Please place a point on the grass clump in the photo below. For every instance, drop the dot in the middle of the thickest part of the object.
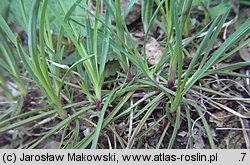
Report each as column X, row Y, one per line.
column 142, row 105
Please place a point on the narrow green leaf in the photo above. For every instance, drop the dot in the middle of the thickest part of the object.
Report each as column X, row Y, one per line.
column 100, row 121
column 147, row 10
column 62, row 124
column 25, row 121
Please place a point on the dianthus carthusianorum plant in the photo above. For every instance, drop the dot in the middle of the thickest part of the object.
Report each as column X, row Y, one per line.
column 139, row 89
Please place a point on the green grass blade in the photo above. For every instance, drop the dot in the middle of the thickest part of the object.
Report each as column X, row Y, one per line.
column 142, row 122
column 61, row 125
column 242, row 31
column 100, row 121
column 147, row 10
column 5, row 27
column 105, row 43
column 24, row 14
column 32, row 35
column 25, row 121
column 176, row 58
column 163, row 135
column 176, row 128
